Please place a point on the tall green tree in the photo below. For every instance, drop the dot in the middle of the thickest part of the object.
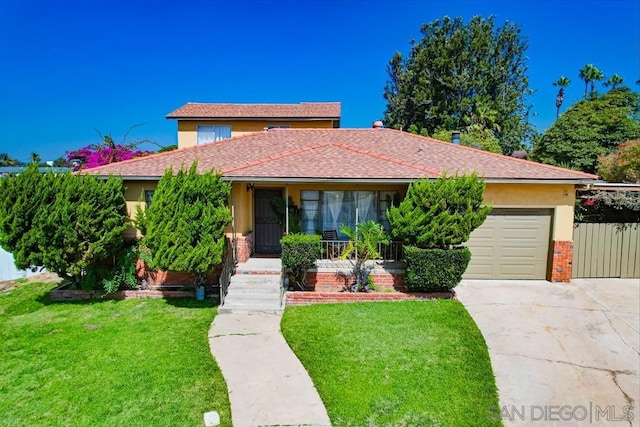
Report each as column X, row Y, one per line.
column 614, row 81
column 462, row 76
column 22, row 197
column 184, row 226
column 590, row 74
column 70, row 224
column 83, row 228
column 590, row 128
column 562, row 82
column 439, row 214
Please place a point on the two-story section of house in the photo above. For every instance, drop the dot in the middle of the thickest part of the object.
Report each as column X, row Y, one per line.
column 199, row 123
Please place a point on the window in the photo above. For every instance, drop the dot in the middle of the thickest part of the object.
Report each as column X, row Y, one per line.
column 278, row 126
column 148, row 195
column 328, row 210
column 213, row 133
column 310, row 210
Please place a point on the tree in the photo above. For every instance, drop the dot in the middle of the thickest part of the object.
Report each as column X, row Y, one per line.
column 613, row 81
column 108, row 151
column 70, row 224
column 562, row 82
column 5, row 160
column 22, row 197
column 439, row 214
column 590, row 128
column 35, row 158
column 432, row 220
column 622, row 165
column 184, row 226
column 590, row 74
column 475, row 138
column 462, row 76
column 83, row 228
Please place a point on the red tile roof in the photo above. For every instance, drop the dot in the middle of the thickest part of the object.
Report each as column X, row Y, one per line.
column 304, row 110
column 339, row 154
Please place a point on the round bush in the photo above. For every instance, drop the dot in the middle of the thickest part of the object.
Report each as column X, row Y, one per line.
column 435, row 270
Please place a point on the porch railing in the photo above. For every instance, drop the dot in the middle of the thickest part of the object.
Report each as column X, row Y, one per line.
column 227, row 271
column 332, row 249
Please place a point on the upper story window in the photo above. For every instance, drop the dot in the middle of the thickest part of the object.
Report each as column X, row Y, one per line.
column 278, row 126
column 213, row 133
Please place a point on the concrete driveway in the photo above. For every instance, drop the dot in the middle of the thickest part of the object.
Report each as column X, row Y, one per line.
column 562, row 354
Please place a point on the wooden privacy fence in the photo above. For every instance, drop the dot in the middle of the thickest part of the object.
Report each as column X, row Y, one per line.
column 606, row 250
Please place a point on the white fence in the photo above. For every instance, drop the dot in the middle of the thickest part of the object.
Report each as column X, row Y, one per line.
column 8, row 270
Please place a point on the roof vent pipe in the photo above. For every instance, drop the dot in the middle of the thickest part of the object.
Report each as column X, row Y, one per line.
column 455, row 137
column 377, row 124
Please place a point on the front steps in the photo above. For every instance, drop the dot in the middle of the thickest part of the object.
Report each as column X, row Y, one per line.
column 256, row 286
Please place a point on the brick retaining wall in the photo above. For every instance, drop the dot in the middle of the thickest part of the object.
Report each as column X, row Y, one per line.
column 306, row 298
column 62, row 294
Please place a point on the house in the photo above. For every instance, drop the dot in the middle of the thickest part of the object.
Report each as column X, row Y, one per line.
column 200, row 123
column 336, row 175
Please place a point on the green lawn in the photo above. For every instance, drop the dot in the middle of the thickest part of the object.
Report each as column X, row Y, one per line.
column 139, row 362
column 398, row 363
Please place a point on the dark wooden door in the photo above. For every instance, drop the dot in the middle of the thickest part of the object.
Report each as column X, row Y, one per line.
column 268, row 227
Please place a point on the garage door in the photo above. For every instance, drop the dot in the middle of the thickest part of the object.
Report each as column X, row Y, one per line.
column 511, row 244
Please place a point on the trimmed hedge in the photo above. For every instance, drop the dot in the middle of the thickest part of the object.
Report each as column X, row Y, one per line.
column 299, row 253
column 435, row 270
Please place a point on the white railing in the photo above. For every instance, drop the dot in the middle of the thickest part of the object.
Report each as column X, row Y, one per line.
column 332, row 249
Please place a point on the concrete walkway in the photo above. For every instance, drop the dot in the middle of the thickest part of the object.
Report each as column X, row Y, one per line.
column 268, row 386
column 562, row 354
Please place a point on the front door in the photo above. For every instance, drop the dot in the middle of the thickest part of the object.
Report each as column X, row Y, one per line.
column 268, row 227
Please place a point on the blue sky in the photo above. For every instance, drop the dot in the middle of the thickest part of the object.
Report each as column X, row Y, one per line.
column 68, row 68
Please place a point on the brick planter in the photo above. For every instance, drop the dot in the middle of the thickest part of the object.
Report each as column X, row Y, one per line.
column 307, row 298
column 61, row 293
column 333, row 276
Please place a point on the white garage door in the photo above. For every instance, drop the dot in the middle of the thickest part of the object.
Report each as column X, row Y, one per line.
column 511, row 244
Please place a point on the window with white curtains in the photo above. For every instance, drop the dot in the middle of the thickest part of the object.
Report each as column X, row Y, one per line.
column 328, row 210
column 213, row 133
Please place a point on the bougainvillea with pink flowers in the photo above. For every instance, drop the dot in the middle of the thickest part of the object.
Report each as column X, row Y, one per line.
column 93, row 156
column 107, row 151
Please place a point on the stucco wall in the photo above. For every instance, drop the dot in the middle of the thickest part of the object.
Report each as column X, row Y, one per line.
column 559, row 197
column 187, row 129
column 134, row 196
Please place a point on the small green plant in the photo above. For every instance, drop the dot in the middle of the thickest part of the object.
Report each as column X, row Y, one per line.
column 364, row 243
column 299, row 254
column 123, row 273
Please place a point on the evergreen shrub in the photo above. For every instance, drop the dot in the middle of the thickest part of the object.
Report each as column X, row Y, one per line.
column 299, row 254
column 435, row 270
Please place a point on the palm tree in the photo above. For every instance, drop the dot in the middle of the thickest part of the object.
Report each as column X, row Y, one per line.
column 562, row 82
column 590, row 74
column 613, row 81
column 35, row 157
column 596, row 77
column 5, row 160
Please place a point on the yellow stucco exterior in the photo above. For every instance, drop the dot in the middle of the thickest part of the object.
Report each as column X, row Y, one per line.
column 560, row 198
column 134, row 196
column 187, row 129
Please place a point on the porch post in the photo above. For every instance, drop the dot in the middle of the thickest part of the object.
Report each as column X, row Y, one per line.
column 286, row 209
